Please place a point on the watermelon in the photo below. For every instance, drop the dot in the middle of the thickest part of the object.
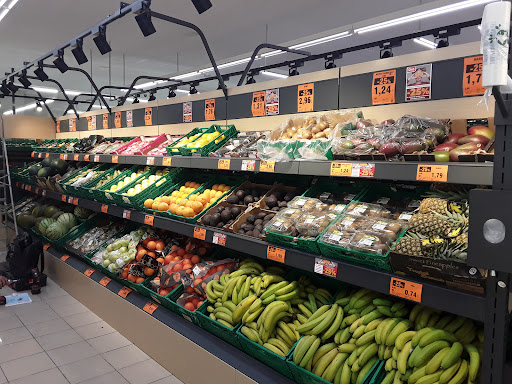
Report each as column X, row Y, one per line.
column 82, row 213
column 47, row 162
column 44, row 172
column 57, row 214
column 26, row 220
column 44, row 224
column 56, row 230
column 68, row 220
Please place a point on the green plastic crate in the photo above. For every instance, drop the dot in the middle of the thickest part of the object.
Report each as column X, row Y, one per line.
column 173, row 306
column 216, row 328
column 228, row 131
column 267, row 357
column 71, row 189
column 102, row 194
column 173, row 150
column 162, row 300
column 85, row 189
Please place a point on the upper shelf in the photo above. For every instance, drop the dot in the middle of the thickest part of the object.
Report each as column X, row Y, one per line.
column 456, row 173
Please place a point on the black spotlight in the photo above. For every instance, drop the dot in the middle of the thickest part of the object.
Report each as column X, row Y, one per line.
column 136, row 100
column 193, row 89
column 78, row 52
column 250, row 79
column 23, row 79
column 39, row 108
column 119, row 101
column 144, row 20
column 329, row 64
column 152, row 96
column 40, row 73
column 386, row 53
column 14, row 88
column 4, row 89
column 171, row 93
column 443, row 43
column 60, row 63
column 101, row 40
column 293, row 72
column 202, row 5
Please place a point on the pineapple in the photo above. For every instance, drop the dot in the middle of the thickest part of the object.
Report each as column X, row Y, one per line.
column 411, row 246
column 429, row 225
column 432, row 204
column 461, row 240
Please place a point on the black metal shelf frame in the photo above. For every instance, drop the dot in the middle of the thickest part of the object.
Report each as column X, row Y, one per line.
column 433, row 295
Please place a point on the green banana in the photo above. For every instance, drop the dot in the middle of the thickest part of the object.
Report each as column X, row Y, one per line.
column 279, row 344
column 334, row 366
column 438, row 334
column 389, row 327
column 372, row 325
column 366, row 338
column 302, row 347
column 397, row 306
column 322, row 351
column 312, row 302
column 368, row 353
column 346, row 374
column 269, row 299
column 310, row 352
column 450, row 372
column 418, row 374
column 344, row 336
column 288, row 296
column 252, row 316
column 271, row 290
column 364, row 370
column 385, row 311
column 225, row 323
column 324, row 361
column 403, row 356
column 324, row 324
column 419, row 334
column 229, row 305
column 382, row 302
column 347, row 348
column 435, row 363
column 461, row 374
column 415, row 312
column 305, row 310
column 334, row 326
column 402, row 339
column 287, row 289
column 430, row 379
column 389, row 378
column 452, row 356
column 356, row 324
column 242, row 308
column 371, row 316
column 444, row 321
column 454, row 325
column 281, row 335
column 274, row 349
column 400, row 328
column 224, row 316
column 251, row 335
column 474, row 361
column 464, row 329
column 433, row 320
column 380, row 329
column 429, row 351
column 423, row 318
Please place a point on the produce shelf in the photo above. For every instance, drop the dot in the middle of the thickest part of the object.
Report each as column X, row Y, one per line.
column 458, row 173
column 433, row 295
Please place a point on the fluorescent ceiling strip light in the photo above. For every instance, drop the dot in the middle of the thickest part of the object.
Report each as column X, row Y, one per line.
column 45, row 90
column 150, row 84
column 322, row 40
column 423, row 15
column 182, row 91
column 2, row 2
column 3, row 13
column 226, row 65
column 73, row 93
column 271, row 53
column 26, row 107
column 12, row 4
column 185, row 75
column 274, row 74
column 426, row 43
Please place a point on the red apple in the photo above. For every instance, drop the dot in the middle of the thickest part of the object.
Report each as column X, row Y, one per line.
column 474, row 139
column 447, row 147
column 481, row 130
column 454, row 137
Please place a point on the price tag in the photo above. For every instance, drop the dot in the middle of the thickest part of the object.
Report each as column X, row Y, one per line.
column 199, row 233
column 29, row 188
column 472, row 78
column 405, row 289
column 125, row 291
column 44, row 192
column 150, row 161
column 105, row 121
column 305, row 97
column 75, row 201
column 148, row 219
column 58, row 126
column 150, row 307
column 437, row 173
column 76, row 157
column 341, row 169
column 39, row 155
column 117, row 119
column 326, row 267
column 64, row 198
column 33, row 154
column 209, row 109
column 148, row 116
column 418, row 81
column 72, row 125
column 104, row 208
column 127, row 214
column 47, row 155
column 89, row 272
column 219, row 238
column 276, row 254
column 167, row 161
column 267, row 165
column 187, row 112
column 224, row 164
column 65, row 156
column 46, row 246
column 70, row 199
column 272, row 102
column 61, row 156
column 89, row 123
column 258, row 104
column 105, row 281
column 363, row 170
column 86, row 158
column 115, row 159
column 383, row 87
column 129, row 118
column 96, row 158
column 37, row 191
column 64, row 257
column 248, row 165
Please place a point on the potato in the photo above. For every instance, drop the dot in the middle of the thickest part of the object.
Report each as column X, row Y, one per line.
column 319, row 135
column 322, row 125
column 307, row 135
column 311, row 121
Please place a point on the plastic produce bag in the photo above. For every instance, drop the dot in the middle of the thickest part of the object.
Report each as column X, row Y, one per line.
column 206, row 272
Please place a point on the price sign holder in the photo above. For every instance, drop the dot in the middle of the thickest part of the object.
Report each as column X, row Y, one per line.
column 224, row 164
column 104, row 208
column 115, row 159
column 76, row 157
column 341, row 169
column 89, row 272
column 127, row 214
column 267, row 165
column 199, row 233
column 150, row 160
column 148, row 116
column 472, row 77
column 150, row 307
column 209, row 109
column 383, row 87
column 405, row 289
column 258, row 104
column 248, row 165
column 276, row 254
column 437, row 173
column 105, row 281
column 148, row 219
column 167, row 161
column 219, row 238
column 64, row 257
column 125, row 291
column 46, row 246
column 305, row 97
column 326, row 267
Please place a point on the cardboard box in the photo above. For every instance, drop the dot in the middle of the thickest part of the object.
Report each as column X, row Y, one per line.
column 235, row 226
column 453, row 274
column 214, row 209
column 284, row 189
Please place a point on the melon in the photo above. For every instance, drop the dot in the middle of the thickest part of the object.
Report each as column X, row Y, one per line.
column 44, row 224
column 82, row 213
column 50, row 211
column 27, row 221
column 57, row 214
column 68, row 220
column 56, row 230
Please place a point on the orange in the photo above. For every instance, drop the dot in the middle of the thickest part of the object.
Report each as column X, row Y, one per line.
column 190, row 307
column 152, row 254
column 188, row 212
column 160, row 245
column 176, row 259
column 189, row 204
column 124, row 274
column 148, row 271
column 151, row 245
column 158, row 199
column 218, row 194
column 201, row 200
column 173, row 208
column 166, row 199
column 163, row 206
column 139, row 280
column 189, row 289
column 194, row 301
column 164, row 291
column 183, row 202
column 140, row 253
column 215, row 187
column 221, row 187
column 195, row 259
column 182, row 189
column 180, row 252
column 175, row 247
column 148, row 203
column 154, row 207
column 167, row 259
column 132, row 278
column 226, row 188
column 197, row 282
column 177, row 267
column 160, row 260
column 172, row 200
column 199, row 304
column 187, row 184
column 197, row 206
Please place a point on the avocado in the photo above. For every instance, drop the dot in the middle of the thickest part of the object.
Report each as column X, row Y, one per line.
column 271, row 201
column 240, row 194
column 250, row 219
column 207, row 219
column 225, row 215
column 215, row 220
column 248, row 199
column 235, row 211
column 289, row 196
column 232, row 199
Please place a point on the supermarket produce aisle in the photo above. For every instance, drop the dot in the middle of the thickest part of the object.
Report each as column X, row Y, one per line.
column 57, row 340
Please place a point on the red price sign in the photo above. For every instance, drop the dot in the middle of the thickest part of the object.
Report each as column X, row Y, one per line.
column 248, row 165
column 200, row 233
column 209, row 109
column 305, row 97
column 105, row 281
column 150, row 307
column 148, row 116
column 96, row 158
column 326, row 267
column 258, row 103
column 472, row 78
column 64, row 257
column 418, row 93
column 437, row 173
column 104, row 208
column 125, row 291
column 276, row 254
column 363, row 170
column 219, row 238
column 89, row 123
column 406, row 289
column 89, row 272
column 148, row 219
column 383, row 87
column 150, row 160
column 117, row 120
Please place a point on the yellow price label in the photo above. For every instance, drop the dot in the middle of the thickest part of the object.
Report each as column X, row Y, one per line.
column 167, row 161
column 224, row 164
column 267, row 165
column 341, row 169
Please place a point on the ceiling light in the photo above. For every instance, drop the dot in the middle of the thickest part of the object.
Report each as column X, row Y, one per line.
column 185, row 75
column 13, row 87
column 250, row 79
column 101, row 40
column 23, row 79
column 146, row 85
column 274, row 74
column 40, row 73
column 271, row 53
column 3, row 88
column 78, row 52
column 2, row 2
column 386, row 53
column 171, row 93
column 45, row 90
column 182, row 91
column 329, row 64
column 35, row 105
column 143, row 19
column 422, row 15
column 136, row 100
column 425, row 42
column 73, row 93
column 9, row 7
column 152, row 97
column 442, row 43
column 202, row 5
column 60, row 63
column 39, row 108
column 193, row 89
column 322, row 40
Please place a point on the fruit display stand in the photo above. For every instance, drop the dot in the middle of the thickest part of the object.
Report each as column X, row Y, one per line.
column 229, row 335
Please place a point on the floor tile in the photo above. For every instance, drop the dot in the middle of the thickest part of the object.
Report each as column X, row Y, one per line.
column 50, row 292
column 47, row 327
column 86, row 369
column 31, row 308
column 71, row 309
column 109, row 378
column 109, row 342
column 51, row 376
column 20, row 349
column 14, row 335
column 168, row 380
column 93, row 330
column 81, row 319
column 71, row 353
column 26, row 366
column 61, row 300
column 3, row 379
column 6, row 313
column 144, row 373
column 10, row 323
column 30, row 318
column 125, row 356
column 58, row 339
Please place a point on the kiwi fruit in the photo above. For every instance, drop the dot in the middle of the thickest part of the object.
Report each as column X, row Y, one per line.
column 249, row 233
column 282, row 204
column 233, row 199
column 258, row 227
column 261, row 215
column 220, row 224
column 268, row 217
column 241, row 231
column 248, row 199
column 250, row 219
column 256, row 233
column 258, row 221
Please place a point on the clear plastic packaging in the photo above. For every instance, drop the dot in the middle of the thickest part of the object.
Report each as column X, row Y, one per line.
column 370, row 210
column 282, row 226
column 390, row 228
column 308, row 204
column 337, row 237
column 290, row 213
column 370, row 242
column 352, row 223
column 314, row 223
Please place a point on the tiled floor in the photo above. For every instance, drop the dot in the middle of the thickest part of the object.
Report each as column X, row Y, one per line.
column 57, row 340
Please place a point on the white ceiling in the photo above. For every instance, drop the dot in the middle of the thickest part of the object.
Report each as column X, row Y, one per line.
column 232, row 27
